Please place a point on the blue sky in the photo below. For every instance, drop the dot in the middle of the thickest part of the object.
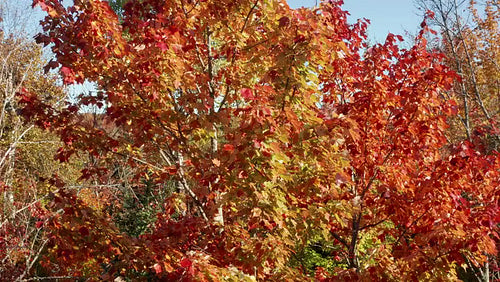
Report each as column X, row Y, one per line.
column 396, row 16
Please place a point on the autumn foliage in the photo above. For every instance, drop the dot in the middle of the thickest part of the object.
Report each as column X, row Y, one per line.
column 251, row 133
column 26, row 158
column 473, row 52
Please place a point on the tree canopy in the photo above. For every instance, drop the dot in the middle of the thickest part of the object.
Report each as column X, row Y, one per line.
column 244, row 140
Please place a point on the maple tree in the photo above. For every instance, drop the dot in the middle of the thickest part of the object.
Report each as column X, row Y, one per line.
column 260, row 132
column 469, row 38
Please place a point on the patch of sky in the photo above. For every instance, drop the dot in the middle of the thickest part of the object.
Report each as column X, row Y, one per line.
column 386, row 16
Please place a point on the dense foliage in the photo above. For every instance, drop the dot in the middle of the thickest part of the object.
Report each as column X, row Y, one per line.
column 468, row 35
column 244, row 140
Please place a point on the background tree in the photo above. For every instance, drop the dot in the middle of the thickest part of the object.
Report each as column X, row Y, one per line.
column 470, row 41
column 27, row 168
